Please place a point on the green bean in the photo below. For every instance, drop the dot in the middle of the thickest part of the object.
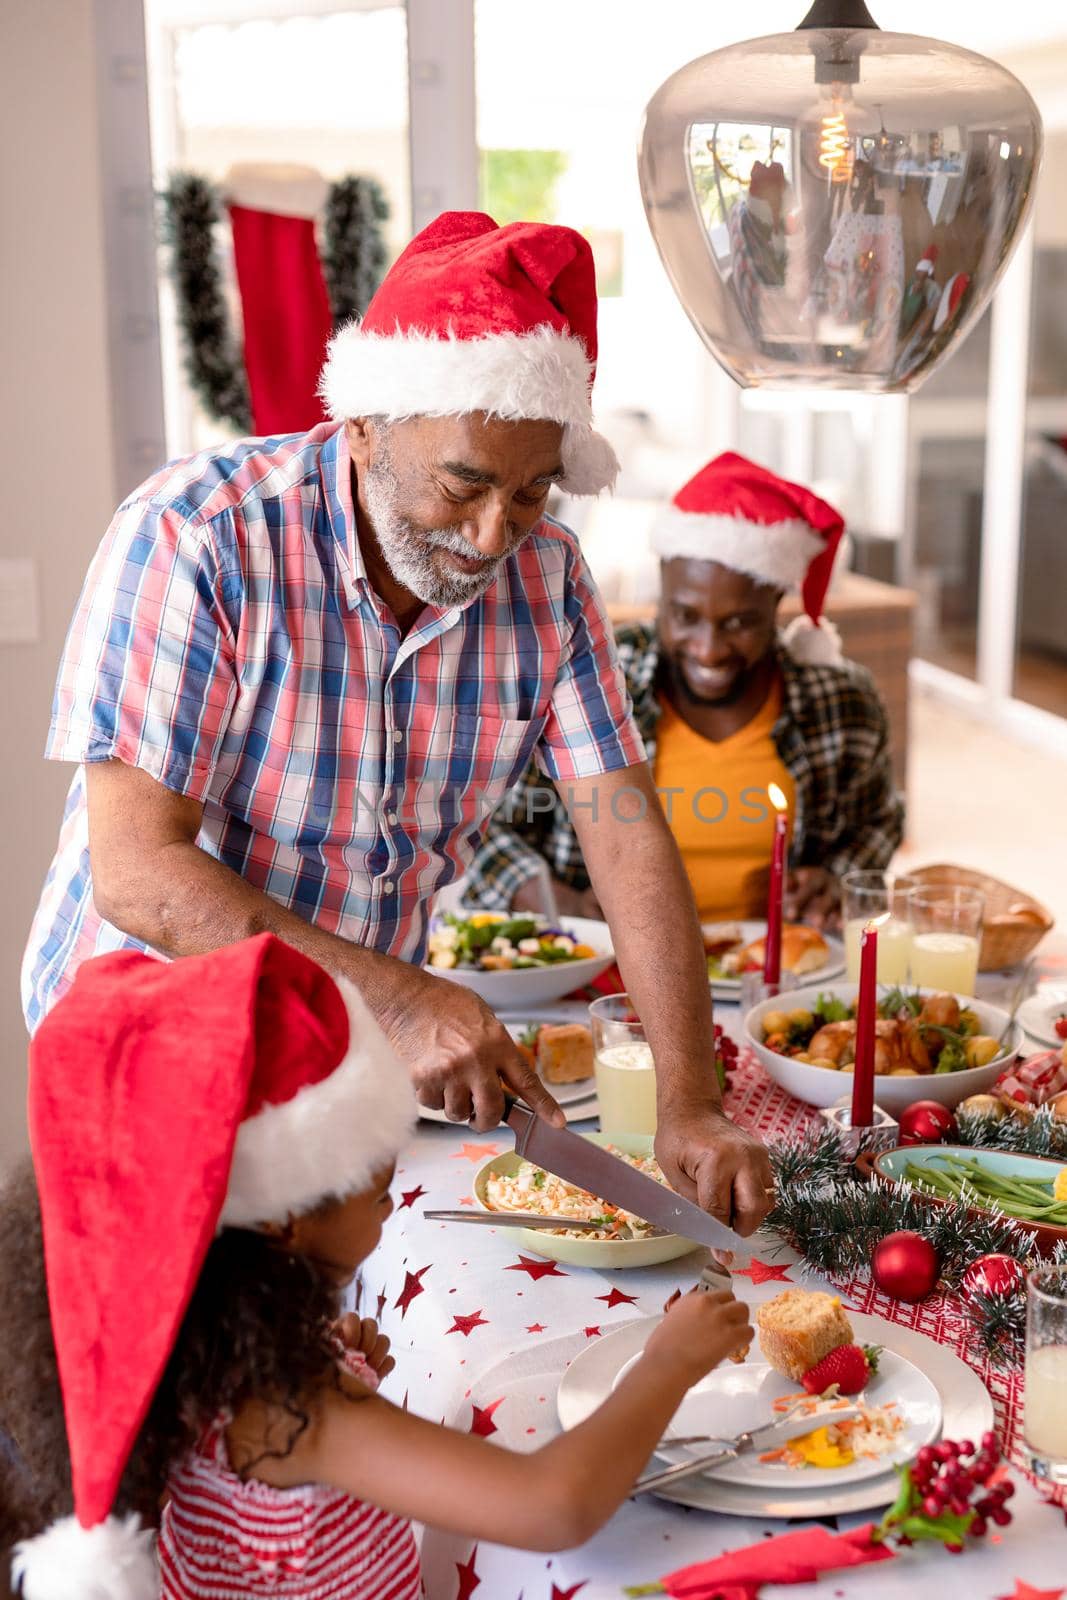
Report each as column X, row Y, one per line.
column 966, row 1180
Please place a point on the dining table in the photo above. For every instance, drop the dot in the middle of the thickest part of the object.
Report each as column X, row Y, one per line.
column 483, row 1331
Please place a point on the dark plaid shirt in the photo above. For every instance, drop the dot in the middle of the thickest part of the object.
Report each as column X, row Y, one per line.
column 832, row 736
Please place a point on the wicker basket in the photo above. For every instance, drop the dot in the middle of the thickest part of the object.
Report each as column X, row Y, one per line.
column 1015, row 923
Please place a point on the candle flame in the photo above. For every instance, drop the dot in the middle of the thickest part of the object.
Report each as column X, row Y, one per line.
column 777, row 798
column 876, row 922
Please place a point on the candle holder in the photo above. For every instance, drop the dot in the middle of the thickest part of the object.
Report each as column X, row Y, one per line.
column 755, row 988
column 881, row 1134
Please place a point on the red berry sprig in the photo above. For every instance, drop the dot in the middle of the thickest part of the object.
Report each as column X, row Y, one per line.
column 726, row 1054
column 947, row 1493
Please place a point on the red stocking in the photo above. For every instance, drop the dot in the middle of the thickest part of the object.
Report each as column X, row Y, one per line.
column 286, row 315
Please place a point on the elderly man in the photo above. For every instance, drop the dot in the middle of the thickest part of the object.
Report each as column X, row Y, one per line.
column 303, row 671
column 727, row 706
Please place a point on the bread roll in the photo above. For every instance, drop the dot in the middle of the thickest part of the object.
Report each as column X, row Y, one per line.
column 803, row 949
column 800, row 1326
column 565, row 1053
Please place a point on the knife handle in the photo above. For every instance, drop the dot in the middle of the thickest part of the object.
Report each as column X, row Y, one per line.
column 684, row 1469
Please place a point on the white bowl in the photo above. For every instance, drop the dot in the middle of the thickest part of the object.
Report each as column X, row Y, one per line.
column 538, row 986
column 821, row 1086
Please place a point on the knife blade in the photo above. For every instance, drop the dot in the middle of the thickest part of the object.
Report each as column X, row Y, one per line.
column 579, row 1161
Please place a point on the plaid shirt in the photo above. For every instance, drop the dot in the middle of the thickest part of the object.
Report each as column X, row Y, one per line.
column 228, row 643
column 832, row 736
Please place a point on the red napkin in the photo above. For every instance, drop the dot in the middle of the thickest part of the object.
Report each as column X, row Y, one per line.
column 791, row 1558
column 609, row 982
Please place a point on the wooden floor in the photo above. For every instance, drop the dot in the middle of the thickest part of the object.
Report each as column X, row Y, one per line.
column 1040, row 678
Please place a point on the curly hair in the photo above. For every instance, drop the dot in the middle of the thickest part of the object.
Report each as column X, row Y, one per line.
column 257, row 1327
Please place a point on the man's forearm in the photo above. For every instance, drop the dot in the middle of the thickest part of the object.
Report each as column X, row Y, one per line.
column 184, row 902
column 641, row 883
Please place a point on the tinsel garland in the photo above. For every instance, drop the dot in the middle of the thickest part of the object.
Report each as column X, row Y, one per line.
column 353, row 262
column 834, row 1219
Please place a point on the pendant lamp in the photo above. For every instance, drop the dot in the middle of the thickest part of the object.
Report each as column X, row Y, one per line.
column 835, row 206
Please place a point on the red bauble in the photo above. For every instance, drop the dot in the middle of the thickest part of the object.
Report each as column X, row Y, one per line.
column 905, row 1266
column 994, row 1275
column 926, row 1122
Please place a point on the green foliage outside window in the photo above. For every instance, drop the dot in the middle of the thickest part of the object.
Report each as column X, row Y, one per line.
column 520, row 185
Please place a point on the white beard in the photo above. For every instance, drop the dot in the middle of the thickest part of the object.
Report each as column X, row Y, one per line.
column 408, row 551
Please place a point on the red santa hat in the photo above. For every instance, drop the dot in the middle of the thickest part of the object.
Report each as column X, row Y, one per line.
column 927, row 260
column 167, row 1100
column 740, row 515
column 475, row 317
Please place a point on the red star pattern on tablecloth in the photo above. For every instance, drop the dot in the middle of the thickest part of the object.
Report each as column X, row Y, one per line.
column 762, row 1272
column 591, row 1333
column 409, row 1196
column 382, row 1298
column 567, row 1594
column 536, row 1327
column 468, row 1578
column 1026, row 1591
column 617, row 1298
column 536, row 1268
column 466, row 1325
column 475, row 1152
column 482, row 1421
column 412, row 1287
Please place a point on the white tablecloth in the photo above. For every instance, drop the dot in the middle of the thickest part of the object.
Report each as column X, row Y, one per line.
column 482, row 1335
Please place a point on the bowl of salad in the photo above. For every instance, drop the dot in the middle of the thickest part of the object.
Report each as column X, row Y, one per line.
column 518, row 960
column 928, row 1046
column 507, row 1182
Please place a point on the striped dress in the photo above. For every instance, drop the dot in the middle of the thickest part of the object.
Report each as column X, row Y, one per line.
column 229, row 1538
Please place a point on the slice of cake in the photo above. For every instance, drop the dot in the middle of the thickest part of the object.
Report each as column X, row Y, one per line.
column 800, row 1326
column 564, row 1052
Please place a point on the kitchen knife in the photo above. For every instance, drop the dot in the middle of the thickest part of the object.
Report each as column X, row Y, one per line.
column 772, row 1434
column 579, row 1161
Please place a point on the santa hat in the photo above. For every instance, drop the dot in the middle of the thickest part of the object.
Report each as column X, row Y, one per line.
column 167, row 1100
column 926, row 261
column 475, row 317
column 742, row 516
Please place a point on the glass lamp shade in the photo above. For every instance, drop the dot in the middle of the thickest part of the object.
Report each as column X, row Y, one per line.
column 835, row 206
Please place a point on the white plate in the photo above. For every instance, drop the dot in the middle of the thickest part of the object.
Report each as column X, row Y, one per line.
column 821, row 1086
column 966, row 1410
column 736, row 1397
column 538, row 986
column 1039, row 1012
column 730, row 988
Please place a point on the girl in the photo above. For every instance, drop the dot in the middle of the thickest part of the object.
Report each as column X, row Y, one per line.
column 213, row 1142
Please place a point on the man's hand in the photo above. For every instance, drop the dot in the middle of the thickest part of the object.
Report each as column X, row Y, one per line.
column 462, row 1059
column 813, row 895
column 709, row 1159
column 569, row 902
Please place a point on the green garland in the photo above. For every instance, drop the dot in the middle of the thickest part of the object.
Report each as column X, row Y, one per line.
column 353, row 262
column 834, row 1220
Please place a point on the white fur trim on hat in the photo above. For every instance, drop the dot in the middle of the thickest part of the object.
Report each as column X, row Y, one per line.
column 542, row 375
column 331, row 1137
column 113, row 1561
column 773, row 552
column 811, row 645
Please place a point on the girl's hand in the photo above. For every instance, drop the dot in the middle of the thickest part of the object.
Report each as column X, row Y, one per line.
column 361, row 1334
column 699, row 1331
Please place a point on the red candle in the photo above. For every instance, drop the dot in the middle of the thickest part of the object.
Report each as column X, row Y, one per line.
column 772, row 948
column 866, row 1016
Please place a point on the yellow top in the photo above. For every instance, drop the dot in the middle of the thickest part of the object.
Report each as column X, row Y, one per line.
column 720, row 816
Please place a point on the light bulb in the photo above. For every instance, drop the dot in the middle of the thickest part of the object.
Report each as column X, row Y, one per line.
column 835, row 147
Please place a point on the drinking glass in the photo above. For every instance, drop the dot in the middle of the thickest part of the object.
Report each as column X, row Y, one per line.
column 623, row 1065
column 946, row 921
column 1045, row 1378
column 865, row 896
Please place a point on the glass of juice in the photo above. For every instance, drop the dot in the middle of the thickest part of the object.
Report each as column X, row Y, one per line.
column 866, row 896
column 622, row 1062
column 946, row 921
column 1045, row 1379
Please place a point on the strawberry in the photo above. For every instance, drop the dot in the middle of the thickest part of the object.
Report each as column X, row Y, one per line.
column 1061, row 1027
column 848, row 1367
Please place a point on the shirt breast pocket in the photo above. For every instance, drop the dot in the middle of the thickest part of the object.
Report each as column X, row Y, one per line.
column 462, row 766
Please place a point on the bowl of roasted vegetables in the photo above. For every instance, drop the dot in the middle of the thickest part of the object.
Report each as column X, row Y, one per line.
column 518, row 960
column 928, row 1046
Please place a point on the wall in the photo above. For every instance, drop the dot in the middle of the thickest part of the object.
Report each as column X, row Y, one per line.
column 56, row 432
